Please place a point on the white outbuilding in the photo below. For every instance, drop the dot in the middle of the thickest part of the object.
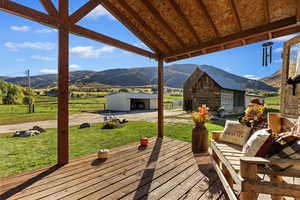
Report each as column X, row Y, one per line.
column 124, row 101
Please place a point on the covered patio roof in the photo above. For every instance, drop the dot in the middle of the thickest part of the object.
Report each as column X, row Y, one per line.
column 179, row 29
column 172, row 29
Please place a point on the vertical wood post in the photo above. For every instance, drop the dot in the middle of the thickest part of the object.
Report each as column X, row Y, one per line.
column 248, row 172
column 276, row 179
column 160, row 103
column 63, row 85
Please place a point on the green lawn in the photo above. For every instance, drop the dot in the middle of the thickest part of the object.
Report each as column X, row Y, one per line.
column 23, row 154
column 46, row 108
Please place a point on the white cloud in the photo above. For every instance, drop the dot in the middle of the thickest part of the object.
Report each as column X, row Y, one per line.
column 43, row 58
column 278, row 50
column 278, row 61
column 98, row 12
column 20, row 28
column 90, row 51
column 48, row 71
column 32, row 45
column 41, row 31
column 73, row 66
column 251, row 76
column 284, row 38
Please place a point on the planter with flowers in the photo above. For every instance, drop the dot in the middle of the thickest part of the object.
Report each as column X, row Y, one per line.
column 200, row 132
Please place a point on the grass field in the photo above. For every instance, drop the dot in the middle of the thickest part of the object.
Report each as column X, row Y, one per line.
column 23, row 154
column 46, row 108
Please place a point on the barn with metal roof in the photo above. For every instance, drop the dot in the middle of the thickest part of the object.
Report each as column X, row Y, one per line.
column 213, row 89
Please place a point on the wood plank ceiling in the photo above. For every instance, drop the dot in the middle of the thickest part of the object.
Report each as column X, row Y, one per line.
column 178, row 29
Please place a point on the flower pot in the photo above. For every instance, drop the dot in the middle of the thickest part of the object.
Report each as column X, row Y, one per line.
column 144, row 142
column 200, row 138
column 103, row 154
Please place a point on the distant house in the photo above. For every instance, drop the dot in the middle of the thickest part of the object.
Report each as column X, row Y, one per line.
column 124, row 101
column 212, row 89
column 250, row 96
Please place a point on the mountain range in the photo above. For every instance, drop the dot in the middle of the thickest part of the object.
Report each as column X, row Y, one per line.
column 174, row 76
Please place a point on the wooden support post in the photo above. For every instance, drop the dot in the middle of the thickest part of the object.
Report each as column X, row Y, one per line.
column 276, row 179
column 63, row 85
column 160, row 103
column 248, row 172
column 298, row 11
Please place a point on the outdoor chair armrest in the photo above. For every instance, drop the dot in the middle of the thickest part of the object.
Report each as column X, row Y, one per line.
column 269, row 161
column 216, row 135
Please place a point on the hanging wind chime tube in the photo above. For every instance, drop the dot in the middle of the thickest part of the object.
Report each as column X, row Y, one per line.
column 267, row 53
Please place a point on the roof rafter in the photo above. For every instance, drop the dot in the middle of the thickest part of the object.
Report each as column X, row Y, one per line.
column 49, row 7
column 54, row 22
column 271, row 27
column 84, row 32
column 185, row 20
column 161, row 20
column 208, row 17
column 236, row 15
column 116, row 13
column 83, row 11
column 28, row 13
column 135, row 15
column 266, row 11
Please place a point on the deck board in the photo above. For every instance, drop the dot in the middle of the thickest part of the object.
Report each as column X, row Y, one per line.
column 166, row 169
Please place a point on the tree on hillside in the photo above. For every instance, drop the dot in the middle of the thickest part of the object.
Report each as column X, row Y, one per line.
column 123, row 90
column 11, row 94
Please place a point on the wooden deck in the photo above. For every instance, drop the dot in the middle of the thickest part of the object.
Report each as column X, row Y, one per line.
column 166, row 169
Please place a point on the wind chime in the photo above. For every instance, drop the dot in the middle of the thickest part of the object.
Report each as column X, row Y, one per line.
column 267, row 53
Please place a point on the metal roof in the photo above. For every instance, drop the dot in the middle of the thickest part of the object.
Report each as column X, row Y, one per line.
column 136, row 95
column 220, row 78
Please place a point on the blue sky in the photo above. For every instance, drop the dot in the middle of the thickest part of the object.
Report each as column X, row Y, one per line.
column 28, row 45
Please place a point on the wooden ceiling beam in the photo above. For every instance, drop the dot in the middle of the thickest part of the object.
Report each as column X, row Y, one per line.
column 49, row 7
column 161, row 20
column 287, row 23
column 83, row 32
column 185, row 19
column 28, row 13
column 203, row 8
column 298, row 11
column 83, row 11
column 236, row 15
column 266, row 11
column 117, row 14
column 140, row 20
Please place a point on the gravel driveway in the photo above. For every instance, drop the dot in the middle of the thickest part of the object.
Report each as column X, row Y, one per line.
column 78, row 119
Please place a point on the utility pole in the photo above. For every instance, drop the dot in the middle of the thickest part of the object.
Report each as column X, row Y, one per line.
column 30, row 110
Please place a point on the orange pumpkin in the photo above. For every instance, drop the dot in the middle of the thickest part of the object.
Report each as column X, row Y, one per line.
column 144, row 141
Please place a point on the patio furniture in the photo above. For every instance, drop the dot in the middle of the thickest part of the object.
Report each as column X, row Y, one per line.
column 246, row 174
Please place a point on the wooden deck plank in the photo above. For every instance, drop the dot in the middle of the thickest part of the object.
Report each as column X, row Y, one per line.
column 117, row 153
column 82, row 170
column 106, row 180
column 167, row 169
column 93, row 174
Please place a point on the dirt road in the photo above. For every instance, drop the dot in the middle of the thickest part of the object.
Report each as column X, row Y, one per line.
column 78, row 119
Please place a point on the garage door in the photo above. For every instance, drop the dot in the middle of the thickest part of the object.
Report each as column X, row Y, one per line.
column 227, row 101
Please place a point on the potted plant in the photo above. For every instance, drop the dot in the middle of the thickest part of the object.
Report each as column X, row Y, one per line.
column 200, row 132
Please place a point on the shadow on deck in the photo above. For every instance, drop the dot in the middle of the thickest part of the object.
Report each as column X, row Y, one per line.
column 166, row 169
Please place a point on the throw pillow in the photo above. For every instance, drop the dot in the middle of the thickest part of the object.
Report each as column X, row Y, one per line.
column 259, row 144
column 235, row 133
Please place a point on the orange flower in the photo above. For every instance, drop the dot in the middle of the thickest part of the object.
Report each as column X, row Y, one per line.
column 202, row 115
